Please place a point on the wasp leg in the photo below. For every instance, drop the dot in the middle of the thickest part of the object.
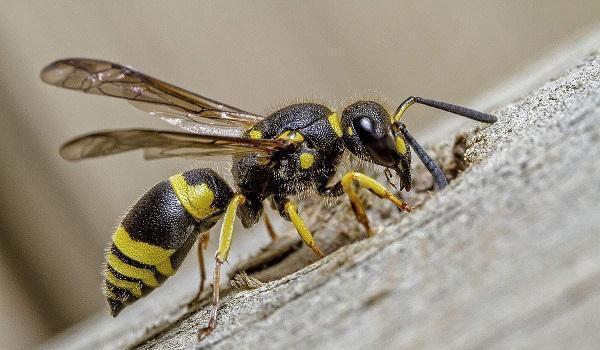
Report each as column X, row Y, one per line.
column 202, row 245
column 292, row 211
column 269, row 227
column 220, row 257
column 375, row 187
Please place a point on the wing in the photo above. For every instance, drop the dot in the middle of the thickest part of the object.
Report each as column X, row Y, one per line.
column 163, row 144
column 149, row 94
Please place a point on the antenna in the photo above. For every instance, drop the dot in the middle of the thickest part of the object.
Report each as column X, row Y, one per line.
column 448, row 107
column 439, row 179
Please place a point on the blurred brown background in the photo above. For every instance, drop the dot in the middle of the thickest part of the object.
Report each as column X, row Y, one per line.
column 57, row 217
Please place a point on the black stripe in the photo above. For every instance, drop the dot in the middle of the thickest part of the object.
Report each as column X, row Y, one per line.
column 145, row 288
column 121, row 276
column 122, row 294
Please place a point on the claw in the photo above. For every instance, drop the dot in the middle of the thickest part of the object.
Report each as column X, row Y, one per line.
column 203, row 332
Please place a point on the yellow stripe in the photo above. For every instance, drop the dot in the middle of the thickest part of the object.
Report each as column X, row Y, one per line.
column 125, row 269
column 142, row 252
column 255, row 134
column 306, row 160
column 335, row 124
column 196, row 199
column 134, row 287
column 165, row 268
column 350, row 131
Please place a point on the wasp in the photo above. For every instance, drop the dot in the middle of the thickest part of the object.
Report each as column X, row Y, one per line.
column 295, row 149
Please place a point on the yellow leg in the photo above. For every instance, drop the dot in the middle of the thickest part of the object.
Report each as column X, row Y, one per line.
column 269, row 227
column 201, row 246
column 375, row 187
column 227, row 228
column 292, row 211
column 220, row 257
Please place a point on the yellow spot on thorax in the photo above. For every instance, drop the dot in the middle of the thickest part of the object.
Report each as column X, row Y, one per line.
column 401, row 145
column 350, row 131
column 335, row 124
column 291, row 135
column 196, row 199
column 306, row 160
column 255, row 134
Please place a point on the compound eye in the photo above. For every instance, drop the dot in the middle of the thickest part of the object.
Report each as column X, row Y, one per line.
column 365, row 129
column 380, row 146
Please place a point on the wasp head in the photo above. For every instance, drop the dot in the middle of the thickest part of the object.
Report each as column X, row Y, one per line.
column 369, row 134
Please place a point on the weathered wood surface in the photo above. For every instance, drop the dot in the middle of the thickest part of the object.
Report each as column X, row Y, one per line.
column 508, row 256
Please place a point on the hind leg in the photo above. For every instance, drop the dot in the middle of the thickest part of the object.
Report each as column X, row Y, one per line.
column 269, row 227
column 201, row 247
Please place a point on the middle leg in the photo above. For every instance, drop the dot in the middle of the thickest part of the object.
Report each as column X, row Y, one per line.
column 269, row 227
column 220, row 257
column 292, row 212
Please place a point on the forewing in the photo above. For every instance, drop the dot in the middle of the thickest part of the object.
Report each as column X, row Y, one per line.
column 163, row 144
column 147, row 93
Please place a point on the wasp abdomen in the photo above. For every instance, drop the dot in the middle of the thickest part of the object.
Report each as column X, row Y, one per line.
column 157, row 233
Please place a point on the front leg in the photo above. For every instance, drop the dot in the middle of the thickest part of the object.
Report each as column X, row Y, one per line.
column 345, row 185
